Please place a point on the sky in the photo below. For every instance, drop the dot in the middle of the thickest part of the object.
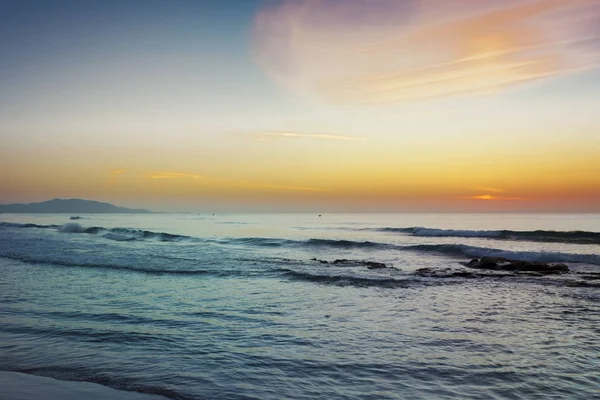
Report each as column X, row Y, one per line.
column 302, row 105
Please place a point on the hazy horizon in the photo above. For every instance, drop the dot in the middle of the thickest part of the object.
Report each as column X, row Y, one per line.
column 216, row 211
column 303, row 105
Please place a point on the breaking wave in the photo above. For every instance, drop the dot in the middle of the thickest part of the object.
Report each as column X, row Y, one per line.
column 447, row 249
column 342, row 280
column 126, row 234
column 18, row 225
column 575, row 237
column 531, row 256
column 117, row 234
column 275, row 242
column 71, row 227
column 129, row 234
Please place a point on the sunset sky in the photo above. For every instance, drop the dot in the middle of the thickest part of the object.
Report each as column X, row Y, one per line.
column 302, row 105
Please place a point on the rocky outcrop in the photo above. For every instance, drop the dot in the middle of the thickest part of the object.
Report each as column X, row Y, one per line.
column 447, row 273
column 497, row 267
column 516, row 266
column 354, row 263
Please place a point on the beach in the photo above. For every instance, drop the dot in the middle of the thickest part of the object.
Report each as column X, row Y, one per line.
column 18, row 386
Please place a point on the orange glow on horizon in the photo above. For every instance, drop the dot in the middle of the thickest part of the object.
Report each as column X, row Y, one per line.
column 488, row 197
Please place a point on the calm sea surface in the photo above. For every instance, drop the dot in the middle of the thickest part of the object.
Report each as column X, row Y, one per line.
column 242, row 306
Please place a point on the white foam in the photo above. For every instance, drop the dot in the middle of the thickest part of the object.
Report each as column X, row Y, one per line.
column 71, row 227
column 418, row 231
column 18, row 386
column 117, row 237
column 531, row 256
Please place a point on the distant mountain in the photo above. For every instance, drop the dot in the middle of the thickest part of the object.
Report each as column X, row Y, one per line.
column 67, row 206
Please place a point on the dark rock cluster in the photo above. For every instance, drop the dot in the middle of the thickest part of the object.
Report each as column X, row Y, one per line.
column 354, row 263
column 516, row 266
column 499, row 267
column 449, row 273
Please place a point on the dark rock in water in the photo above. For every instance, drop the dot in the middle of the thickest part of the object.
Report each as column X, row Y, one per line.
column 342, row 261
column 353, row 263
column 455, row 273
column 75, row 218
column 368, row 264
column 516, row 266
column 375, row 265
column 444, row 273
column 499, row 267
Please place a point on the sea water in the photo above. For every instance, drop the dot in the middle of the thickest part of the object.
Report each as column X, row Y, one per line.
column 250, row 306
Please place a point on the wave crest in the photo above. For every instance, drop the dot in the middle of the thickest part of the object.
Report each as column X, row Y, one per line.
column 117, row 234
column 343, row 280
column 575, row 237
column 463, row 250
column 530, row 256
column 28, row 225
column 71, row 227
column 139, row 269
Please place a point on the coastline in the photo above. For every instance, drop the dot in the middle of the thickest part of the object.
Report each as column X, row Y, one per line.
column 20, row 386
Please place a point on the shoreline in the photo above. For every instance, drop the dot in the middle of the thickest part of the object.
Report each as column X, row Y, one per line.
column 22, row 386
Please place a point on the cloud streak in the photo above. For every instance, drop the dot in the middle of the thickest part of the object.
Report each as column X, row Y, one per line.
column 384, row 51
column 174, row 175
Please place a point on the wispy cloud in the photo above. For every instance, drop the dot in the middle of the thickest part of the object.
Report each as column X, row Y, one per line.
column 174, row 175
column 114, row 175
column 390, row 51
column 274, row 135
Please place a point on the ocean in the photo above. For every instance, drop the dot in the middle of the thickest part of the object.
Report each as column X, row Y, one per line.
column 255, row 306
